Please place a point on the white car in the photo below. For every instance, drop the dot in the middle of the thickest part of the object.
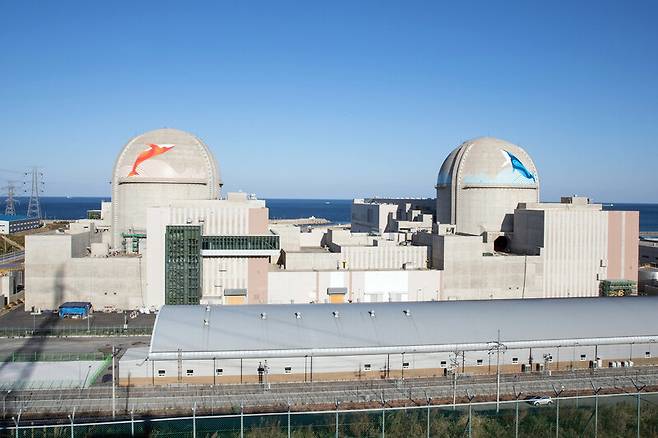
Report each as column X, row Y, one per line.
column 539, row 400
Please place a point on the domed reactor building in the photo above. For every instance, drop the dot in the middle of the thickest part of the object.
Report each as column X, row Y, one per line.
column 155, row 168
column 482, row 182
column 494, row 239
column 165, row 238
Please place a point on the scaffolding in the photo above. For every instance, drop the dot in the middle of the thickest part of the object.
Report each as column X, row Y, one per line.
column 183, row 264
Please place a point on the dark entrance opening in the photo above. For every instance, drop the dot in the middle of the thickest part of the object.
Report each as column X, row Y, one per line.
column 501, row 244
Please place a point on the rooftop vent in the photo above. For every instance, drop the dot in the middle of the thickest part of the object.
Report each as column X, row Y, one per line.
column 207, row 308
column 206, row 322
column 263, row 315
column 371, row 313
column 298, row 315
column 335, row 313
column 406, row 312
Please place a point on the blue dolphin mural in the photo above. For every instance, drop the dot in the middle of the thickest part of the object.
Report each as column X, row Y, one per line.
column 518, row 165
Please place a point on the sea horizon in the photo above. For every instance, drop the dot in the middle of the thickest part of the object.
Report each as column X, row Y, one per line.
column 335, row 210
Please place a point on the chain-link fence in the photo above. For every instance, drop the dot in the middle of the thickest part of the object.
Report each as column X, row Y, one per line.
column 13, row 332
column 598, row 415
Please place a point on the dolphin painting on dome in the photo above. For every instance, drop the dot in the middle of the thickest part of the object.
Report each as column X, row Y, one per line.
column 517, row 165
column 152, row 151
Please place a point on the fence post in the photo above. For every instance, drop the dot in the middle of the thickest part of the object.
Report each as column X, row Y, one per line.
column 132, row 422
column 557, row 409
column 113, row 387
column 72, row 418
column 638, row 414
column 288, row 418
column 596, row 409
column 194, row 420
column 470, row 417
column 337, row 404
column 241, row 420
column 517, row 395
column 17, row 420
column 429, row 403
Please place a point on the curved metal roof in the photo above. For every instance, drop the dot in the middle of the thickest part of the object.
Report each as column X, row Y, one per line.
column 368, row 328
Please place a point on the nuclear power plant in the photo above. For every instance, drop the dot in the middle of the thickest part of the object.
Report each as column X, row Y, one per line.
column 170, row 236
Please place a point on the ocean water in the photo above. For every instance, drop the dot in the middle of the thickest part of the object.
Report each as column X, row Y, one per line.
column 334, row 210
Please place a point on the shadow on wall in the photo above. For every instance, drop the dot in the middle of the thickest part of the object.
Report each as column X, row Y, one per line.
column 34, row 345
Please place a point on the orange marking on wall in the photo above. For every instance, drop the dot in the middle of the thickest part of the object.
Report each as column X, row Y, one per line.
column 154, row 150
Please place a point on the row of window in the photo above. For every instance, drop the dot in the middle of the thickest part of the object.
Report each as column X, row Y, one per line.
column 368, row 367
column 270, row 242
column 218, row 372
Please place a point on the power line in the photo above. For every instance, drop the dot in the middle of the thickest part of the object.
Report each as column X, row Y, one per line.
column 10, row 209
column 33, row 207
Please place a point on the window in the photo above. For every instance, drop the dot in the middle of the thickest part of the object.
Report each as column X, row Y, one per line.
column 647, row 354
column 583, row 357
column 515, row 360
column 405, row 364
column 366, row 367
column 287, row 370
column 219, row 371
column 443, row 364
column 161, row 373
column 479, row 362
column 190, row 372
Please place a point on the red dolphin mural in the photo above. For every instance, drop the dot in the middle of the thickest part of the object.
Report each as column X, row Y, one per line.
column 153, row 151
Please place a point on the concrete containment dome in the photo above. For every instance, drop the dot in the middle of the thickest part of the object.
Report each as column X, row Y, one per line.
column 155, row 168
column 481, row 182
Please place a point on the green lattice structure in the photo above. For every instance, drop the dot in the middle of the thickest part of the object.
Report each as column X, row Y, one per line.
column 269, row 242
column 183, row 264
column 617, row 288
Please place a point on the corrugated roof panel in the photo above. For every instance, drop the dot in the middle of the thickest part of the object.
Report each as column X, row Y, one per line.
column 239, row 328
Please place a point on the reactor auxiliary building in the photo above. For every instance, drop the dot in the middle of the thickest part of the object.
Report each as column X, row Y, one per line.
column 168, row 237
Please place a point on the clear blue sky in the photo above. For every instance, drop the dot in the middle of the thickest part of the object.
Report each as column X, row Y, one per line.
column 335, row 99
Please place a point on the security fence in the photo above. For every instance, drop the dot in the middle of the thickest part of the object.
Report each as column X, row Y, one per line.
column 52, row 357
column 12, row 332
column 598, row 415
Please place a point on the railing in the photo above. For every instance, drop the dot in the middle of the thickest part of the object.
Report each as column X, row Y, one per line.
column 233, row 243
column 12, row 257
column 52, row 357
column 74, row 331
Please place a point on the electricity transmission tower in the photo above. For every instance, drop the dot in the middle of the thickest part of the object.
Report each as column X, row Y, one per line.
column 33, row 207
column 10, row 209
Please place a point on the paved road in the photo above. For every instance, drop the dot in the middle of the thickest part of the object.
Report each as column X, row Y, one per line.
column 19, row 318
column 70, row 345
column 172, row 400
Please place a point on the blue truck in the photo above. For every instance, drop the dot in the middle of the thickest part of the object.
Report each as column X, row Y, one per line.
column 79, row 309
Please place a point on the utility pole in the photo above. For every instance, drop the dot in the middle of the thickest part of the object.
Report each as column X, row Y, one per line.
column 34, row 207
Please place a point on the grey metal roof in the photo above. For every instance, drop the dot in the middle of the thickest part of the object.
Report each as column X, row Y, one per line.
column 369, row 328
